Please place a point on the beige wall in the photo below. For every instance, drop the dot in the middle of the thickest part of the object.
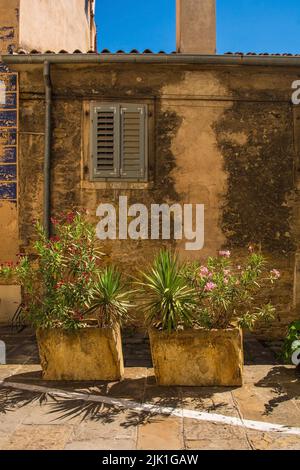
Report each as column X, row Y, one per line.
column 224, row 137
column 196, row 26
column 45, row 25
column 54, row 25
column 10, row 299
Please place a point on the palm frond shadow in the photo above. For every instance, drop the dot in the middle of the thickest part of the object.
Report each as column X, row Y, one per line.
column 135, row 418
column 67, row 408
column 11, row 400
column 105, row 413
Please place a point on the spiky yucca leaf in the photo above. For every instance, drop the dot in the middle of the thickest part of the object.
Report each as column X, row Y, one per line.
column 169, row 303
column 110, row 299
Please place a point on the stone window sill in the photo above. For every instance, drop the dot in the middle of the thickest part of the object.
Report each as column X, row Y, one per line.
column 116, row 185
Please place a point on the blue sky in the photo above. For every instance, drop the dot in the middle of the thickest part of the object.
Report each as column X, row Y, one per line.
column 243, row 25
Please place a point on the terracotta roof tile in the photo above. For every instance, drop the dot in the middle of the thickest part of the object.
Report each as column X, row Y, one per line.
column 262, row 54
column 146, row 51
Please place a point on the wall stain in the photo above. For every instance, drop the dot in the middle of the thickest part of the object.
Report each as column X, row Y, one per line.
column 260, row 175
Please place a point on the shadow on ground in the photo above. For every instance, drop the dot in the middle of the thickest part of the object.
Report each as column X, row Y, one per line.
column 136, row 391
column 284, row 382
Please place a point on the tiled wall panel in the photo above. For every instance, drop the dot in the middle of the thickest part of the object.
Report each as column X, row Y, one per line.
column 8, row 134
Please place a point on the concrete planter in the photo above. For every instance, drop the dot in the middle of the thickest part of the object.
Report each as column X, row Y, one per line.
column 198, row 357
column 87, row 354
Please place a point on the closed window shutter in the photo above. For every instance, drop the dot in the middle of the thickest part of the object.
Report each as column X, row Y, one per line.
column 105, row 141
column 133, row 141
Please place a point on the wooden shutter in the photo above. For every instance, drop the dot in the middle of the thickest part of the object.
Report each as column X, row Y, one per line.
column 133, row 141
column 105, row 141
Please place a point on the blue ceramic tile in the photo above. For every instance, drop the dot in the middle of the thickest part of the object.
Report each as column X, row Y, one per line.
column 10, row 81
column 9, row 102
column 8, row 172
column 8, row 118
column 8, row 137
column 8, row 191
column 8, row 155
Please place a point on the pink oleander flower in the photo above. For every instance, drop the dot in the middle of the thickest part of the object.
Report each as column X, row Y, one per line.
column 70, row 217
column 204, row 271
column 210, row 286
column 275, row 274
column 226, row 282
column 225, row 254
column 55, row 239
column 59, row 285
column 9, row 264
column 54, row 221
column 226, row 272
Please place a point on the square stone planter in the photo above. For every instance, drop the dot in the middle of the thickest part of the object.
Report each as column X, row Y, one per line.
column 83, row 355
column 198, row 357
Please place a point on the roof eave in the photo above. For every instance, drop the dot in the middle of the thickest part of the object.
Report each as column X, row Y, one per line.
column 184, row 59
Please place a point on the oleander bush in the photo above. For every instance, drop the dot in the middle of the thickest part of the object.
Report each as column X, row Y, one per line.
column 63, row 281
column 214, row 295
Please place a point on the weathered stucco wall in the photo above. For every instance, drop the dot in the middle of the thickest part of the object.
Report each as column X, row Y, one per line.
column 223, row 137
column 54, row 25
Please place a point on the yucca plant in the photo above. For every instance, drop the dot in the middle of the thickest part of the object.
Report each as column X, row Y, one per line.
column 110, row 300
column 169, row 303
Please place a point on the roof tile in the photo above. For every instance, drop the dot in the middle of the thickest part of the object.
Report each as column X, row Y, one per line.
column 146, row 51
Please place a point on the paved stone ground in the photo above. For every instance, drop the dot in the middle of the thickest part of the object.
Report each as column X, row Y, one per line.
column 40, row 421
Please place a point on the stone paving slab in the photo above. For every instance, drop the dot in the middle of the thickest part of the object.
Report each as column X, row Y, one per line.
column 37, row 438
column 267, row 405
column 271, row 441
column 102, row 444
column 216, row 444
column 106, row 426
column 160, row 434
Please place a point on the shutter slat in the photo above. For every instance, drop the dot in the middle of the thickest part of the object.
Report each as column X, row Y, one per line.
column 106, row 141
column 133, row 141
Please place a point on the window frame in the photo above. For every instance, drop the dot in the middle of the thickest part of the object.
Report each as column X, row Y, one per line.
column 119, row 179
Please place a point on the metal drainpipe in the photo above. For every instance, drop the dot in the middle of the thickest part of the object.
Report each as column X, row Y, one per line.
column 47, row 157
